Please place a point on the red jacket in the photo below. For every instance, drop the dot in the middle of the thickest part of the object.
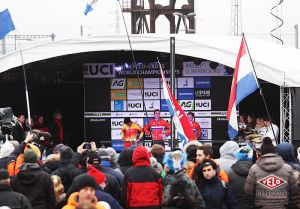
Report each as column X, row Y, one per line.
column 156, row 128
column 144, row 188
column 197, row 130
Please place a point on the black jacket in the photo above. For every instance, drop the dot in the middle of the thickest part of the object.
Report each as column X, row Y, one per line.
column 237, row 179
column 13, row 199
column 36, row 185
column 18, row 132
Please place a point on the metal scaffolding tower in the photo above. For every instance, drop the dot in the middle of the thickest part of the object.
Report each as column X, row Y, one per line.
column 140, row 14
column 236, row 18
column 285, row 113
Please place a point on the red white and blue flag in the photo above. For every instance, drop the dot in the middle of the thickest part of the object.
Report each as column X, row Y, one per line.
column 244, row 83
column 180, row 120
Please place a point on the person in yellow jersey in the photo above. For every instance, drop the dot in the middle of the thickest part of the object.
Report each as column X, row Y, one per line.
column 130, row 131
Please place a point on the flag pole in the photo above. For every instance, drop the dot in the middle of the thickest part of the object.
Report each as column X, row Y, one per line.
column 26, row 88
column 260, row 88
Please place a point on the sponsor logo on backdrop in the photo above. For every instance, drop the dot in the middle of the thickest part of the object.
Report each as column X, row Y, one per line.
column 187, row 104
column 271, row 181
column 117, row 145
column 117, row 123
column 133, row 83
column 184, row 94
column 116, row 134
column 163, row 105
column 152, row 104
column 151, row 83
column 203, row 83
column 99, row 70
column 185, row 82
column 205, row 133
column 203, row 104
column 134, row 94
column 117, row 83
column 204, row 122
column 118, row 105
column 151, row 94
column 134, row 105
column 202, row 93
column 168, row 81
column 190, row 69
column 118, row 94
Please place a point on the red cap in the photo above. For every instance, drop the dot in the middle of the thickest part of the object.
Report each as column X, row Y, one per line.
column 94, row 172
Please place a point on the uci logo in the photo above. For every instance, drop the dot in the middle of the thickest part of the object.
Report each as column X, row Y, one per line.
column 117, row 123
column 203, row 104
column 151, row 94
column 134, row 105
column 101, row 70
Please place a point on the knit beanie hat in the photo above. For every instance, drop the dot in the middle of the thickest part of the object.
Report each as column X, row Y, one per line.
column 58, row 148
column 103, row 154
column 267, row 146
column 244, row 153
column 34, row 148
column 84, row 180
column 4, row 174
column 30, row 156
column 96, row 174
column 112, row 153
column 66, row 154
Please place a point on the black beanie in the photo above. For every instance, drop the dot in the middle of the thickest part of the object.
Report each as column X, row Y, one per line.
column 84, row 180
column 267, row 146
column 66, row 155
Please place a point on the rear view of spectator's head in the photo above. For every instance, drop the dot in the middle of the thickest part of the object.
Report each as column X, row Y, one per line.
column 175, row 161
column 267, row 147
column 4, row 177
column 190, row 149
column 112, row 153
column 158, row 151
column 58, row 188
column 178, row 196
column 30, row 156
column 244, row 153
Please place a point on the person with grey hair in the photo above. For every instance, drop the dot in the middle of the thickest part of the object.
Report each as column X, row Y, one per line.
column 8, row 196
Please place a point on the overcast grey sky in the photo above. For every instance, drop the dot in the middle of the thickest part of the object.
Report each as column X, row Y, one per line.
column 64, row 17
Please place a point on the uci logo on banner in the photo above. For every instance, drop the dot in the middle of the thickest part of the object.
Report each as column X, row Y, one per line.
column 151, row 93
column 99, row 70
column 203, row 104
column 134, row 106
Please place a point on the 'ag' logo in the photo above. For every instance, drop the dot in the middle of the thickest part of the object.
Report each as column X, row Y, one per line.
column 271, row 181
column 117, row 83
column 186, row 104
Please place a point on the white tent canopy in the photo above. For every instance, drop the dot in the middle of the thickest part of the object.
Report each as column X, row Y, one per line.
column 274, row 63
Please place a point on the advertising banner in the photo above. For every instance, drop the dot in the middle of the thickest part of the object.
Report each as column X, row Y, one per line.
column 118, row 95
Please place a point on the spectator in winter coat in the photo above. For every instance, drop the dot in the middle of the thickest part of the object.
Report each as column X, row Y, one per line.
column 227, row 152
column 30, row 176
column 174, row 167
column 78, row 165
column 286, row 151
column 142, row 184
column 216, row 193
column 238, row 176
column 8, row 196
column 271, row 181
column 86, row 187
column 125, row 160
column 190, row 149
column 178, row 197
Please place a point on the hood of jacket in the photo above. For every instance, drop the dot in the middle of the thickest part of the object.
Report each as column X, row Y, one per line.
column 227, row 150
column 73, row 199
column 286, row 151
column 141, row 157
column 28, row 173
column 242, row 167
column 270, row 162
column 125, row 158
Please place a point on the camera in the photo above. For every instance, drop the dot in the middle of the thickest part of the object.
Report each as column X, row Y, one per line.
column 87, row 146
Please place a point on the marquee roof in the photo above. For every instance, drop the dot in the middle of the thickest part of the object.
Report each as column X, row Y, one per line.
column 274, row 63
